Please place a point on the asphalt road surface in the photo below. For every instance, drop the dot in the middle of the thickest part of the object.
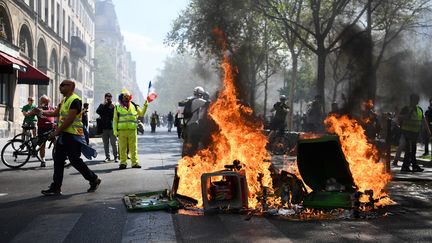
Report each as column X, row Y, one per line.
column 78, row 216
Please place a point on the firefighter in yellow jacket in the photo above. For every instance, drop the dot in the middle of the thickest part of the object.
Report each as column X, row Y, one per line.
column 125, row 127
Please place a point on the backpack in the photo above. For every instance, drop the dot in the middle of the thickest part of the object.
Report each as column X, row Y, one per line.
column 188, row 112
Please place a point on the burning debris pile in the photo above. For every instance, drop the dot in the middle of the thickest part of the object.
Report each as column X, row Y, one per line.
column 333, row 171
column 239, row 138
column 361, row 156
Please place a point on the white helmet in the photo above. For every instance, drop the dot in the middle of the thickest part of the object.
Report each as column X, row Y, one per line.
column 282, row 97
column 198, row 91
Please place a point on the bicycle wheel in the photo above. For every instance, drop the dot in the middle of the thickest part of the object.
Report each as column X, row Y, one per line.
column 15, row 158
column 25, row 136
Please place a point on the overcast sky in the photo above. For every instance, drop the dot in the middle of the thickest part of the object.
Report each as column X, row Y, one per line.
column 144, row 24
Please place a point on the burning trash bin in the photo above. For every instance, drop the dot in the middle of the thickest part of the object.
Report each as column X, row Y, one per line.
column 225, row 189
column 324, row 169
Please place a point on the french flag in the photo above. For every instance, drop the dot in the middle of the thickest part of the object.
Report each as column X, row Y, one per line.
column 151, row 94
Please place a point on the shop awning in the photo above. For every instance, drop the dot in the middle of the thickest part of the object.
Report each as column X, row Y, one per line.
column 8, row 64
column 32, row 76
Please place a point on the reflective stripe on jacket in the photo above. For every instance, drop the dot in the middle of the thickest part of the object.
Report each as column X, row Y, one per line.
column 414, row 122
column 76, row 127
column 126, row 119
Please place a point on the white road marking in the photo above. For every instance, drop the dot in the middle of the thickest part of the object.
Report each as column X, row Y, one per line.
column 149, row 227
column 48, row 228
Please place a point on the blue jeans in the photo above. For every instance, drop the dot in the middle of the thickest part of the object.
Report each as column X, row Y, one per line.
column 86, row 134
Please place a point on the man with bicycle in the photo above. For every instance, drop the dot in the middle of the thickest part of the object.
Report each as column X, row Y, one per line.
column 29, row 118
column 70, row 139
column 44, row 124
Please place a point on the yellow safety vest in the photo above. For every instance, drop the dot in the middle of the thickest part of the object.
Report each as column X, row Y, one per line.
column 77, row 126
column 126, row 117
column 414, row 122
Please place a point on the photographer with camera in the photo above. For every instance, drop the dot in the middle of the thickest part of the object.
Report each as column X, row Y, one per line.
column 106, row 113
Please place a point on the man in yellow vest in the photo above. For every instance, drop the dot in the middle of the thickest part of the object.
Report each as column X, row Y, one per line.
column 412, row 119
column 125, row 127
column 70, row 140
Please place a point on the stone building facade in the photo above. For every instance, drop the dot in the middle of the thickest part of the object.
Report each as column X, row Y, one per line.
column 56, row 37
column 111, row 41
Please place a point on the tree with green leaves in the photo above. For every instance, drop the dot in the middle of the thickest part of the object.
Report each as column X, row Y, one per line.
column 316, row 27
column 289, row 38
column 326, row 24
column 247, row 39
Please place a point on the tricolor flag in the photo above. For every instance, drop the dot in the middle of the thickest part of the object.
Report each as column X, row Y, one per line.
column 151, row 94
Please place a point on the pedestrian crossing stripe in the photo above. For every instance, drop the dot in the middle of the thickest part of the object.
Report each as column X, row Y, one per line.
column 149, row 227
column 48, row 228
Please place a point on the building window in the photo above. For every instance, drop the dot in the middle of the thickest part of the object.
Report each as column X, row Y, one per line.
column 25, row 42
column 46, row 11
column 52, row 14
column 39, row 8
column 69, row 29
column 4, row 89
column 58, row 19
column 63, row 25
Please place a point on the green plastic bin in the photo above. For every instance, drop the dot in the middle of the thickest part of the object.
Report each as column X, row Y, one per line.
column 319, row 160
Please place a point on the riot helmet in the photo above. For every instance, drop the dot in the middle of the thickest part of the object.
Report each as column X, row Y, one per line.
column 198, row 91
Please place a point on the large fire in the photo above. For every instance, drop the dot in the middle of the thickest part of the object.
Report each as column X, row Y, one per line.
column 367, row 172
column 239, row 138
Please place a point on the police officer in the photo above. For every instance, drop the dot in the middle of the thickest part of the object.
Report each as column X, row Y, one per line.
column 412, row 119
column 281, row 110
column 70, row 141
column 125, row 127
column 195, row 113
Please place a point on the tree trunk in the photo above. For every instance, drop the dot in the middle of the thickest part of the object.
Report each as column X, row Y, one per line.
column 252, row 91
column 321, row 54
column 266, row 84
column 265, row 97
column 292, row 89
column 370, row 73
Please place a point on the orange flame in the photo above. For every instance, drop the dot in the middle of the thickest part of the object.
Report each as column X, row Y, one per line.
column 368, row 174
column 238, row 138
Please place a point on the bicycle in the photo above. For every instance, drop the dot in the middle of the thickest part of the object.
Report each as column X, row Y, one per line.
column 17, row 152
column 27, row 134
